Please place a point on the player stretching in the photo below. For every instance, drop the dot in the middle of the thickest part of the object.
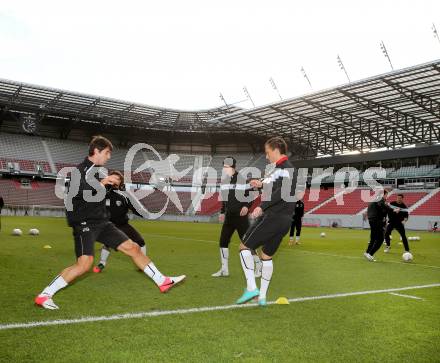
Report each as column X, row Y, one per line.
column 274, row 219
column 397, row 221
column 234, row 215
column 296, row 222
column 118, row 206
column 89, row 222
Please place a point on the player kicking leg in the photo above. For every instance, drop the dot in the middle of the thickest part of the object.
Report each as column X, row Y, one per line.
column 111, row 236
column 118, row 205
column 131, row 233
column 89, row 221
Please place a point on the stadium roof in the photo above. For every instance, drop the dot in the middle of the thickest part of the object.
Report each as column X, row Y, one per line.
column 23, row 97
column 392, row 110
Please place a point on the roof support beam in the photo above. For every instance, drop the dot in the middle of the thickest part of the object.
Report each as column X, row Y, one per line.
column 309, row 142
column 407, row 123
column 423, row 101
column 342, row 116
column 14, row 97
column 317, row 126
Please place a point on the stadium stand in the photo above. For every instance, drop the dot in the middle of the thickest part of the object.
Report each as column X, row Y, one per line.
column 209, row 205
column 37, row 193
column 429, row 207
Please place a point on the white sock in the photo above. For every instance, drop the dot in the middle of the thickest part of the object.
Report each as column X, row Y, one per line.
column 152, row 272
column 266, row 275
column 144, row 250
column 247, row 263
column 256, row 258
column 224, row 257
column 104, row 255
column 297, row 238
column 57, row 284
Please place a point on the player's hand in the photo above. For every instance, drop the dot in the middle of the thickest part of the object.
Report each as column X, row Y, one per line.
column 257, row 212
column 244, row 211
column 221, row 218
column 255, row 183
column 110, row 180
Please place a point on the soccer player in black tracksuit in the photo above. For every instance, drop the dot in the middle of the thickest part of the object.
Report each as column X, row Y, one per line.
column 377, row 213
column 233, row 214
column 297, row 222
column 88, row 217
column 118, row 206
column 397, row 221
column 274, row 217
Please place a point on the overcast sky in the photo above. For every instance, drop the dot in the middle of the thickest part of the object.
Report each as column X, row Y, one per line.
column 182, row 54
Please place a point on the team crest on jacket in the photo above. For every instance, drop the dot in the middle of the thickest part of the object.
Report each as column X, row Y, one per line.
column 118, row 203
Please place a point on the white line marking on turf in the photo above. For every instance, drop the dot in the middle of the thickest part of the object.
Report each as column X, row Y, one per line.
column 361, row 258
column 407, row 296
column 302, row 251
column 148, row 314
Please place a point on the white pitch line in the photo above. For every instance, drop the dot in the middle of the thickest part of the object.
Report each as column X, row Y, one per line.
column 361, row 258
column 407, row 296
column 302, row 251
column 149, row 314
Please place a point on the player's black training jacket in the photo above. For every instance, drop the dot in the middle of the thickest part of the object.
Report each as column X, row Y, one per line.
column 118, row 206
column 299, row 209
column 92, row 212
column 276, row 205
column 231, row 206
column 396, row 218
column 378, row 210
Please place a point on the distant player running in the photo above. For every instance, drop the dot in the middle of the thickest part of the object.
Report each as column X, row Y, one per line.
column 234, row 215
column 88, row 218
column 296, row 223
column 397, row 221
column 274, row 219
column 118, row 206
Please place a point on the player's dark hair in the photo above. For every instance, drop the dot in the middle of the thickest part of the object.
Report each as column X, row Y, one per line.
column 400, row 195
column 277, row 142
column 120, row 176
column 99, row 142
column 118, row 173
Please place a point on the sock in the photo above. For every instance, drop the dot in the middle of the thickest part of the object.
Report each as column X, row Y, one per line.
column 104, row 255
column 57, row 284
column 297, row 238
column 256, row 258
column 152, row 272
column 144, row 250
column 224, row 257
column 247, row 264
column 266, row 275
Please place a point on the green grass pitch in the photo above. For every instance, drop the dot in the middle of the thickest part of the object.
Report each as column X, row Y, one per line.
column 365, row 328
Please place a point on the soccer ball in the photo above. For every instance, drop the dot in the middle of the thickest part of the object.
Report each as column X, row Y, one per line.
column 34, row 232
column 322, row 234
column 407, row 256
column 17, row 232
